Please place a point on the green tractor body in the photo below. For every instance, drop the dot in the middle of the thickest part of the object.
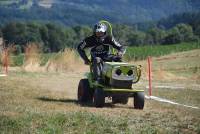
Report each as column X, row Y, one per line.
column 118, row 79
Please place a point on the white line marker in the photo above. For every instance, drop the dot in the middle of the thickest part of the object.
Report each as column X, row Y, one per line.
column 168, row 101
column 2, row 75
column 171, row 87
column 168, row 87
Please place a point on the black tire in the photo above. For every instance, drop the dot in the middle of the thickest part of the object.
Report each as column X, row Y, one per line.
column 99, row 97
column 120, row 99
column 139, row 100
column 84, row 91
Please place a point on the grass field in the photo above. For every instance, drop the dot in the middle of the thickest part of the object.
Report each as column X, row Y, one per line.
column 40, row 102
column 141, row 53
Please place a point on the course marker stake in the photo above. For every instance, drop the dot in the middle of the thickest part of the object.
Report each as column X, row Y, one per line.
column 149, row 75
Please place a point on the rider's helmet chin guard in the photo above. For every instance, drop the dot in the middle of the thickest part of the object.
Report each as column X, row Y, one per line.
column 100, row 29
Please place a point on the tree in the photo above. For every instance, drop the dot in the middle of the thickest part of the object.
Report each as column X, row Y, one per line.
column 149, row 39
column 122, row 33
column 14, row 33
column 197, row 31
column 173, row 36
column 56, row 38
column 157, row 34
column 33, row 32
column 44, row 37
column 21, row 33
column 186, row 32
column 136, row 38
column 71, row 38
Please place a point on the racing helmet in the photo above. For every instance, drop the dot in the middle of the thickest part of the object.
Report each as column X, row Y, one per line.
column 100, row 29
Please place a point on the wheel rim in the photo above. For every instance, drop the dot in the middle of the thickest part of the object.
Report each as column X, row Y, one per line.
column 94, row 97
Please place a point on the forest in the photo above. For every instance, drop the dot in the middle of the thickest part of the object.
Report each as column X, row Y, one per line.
column 52, row 37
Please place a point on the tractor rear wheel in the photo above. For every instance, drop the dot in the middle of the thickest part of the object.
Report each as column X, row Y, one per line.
column 99, row 97
column 84, row 91
column 139, row 100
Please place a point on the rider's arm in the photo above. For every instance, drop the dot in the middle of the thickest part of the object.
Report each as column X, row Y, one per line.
column 116, row 45
column 81, row 51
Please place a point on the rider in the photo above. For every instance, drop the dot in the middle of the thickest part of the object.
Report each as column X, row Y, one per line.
column 99, row 44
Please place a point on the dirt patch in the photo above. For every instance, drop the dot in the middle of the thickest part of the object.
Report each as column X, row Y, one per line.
column 164, row 75
column 196, row 78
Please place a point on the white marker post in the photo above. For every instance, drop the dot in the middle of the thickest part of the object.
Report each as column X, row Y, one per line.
column 5, row 62
column 149, row 75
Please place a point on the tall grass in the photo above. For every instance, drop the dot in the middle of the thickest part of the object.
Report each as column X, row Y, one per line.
column 140, row 53
column 32, row 58
column 63, row 61
column 132, row 53
column 35, row 61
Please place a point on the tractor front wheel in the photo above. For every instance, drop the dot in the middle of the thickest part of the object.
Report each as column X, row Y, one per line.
column 139, row 100
column 99, row 97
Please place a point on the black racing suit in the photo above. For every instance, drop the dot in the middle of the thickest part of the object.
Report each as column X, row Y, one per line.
column 99, row 52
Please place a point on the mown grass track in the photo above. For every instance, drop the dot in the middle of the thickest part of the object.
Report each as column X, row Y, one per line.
column 32, row 103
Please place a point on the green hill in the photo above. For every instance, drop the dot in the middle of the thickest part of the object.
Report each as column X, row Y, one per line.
column 72, row 12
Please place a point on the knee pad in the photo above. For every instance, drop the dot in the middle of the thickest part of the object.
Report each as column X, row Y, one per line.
column 98, row 59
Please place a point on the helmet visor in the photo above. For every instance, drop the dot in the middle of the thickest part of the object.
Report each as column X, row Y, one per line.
column 99, row 34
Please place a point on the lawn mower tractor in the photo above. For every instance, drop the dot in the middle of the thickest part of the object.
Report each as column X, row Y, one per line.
column 117, row 83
